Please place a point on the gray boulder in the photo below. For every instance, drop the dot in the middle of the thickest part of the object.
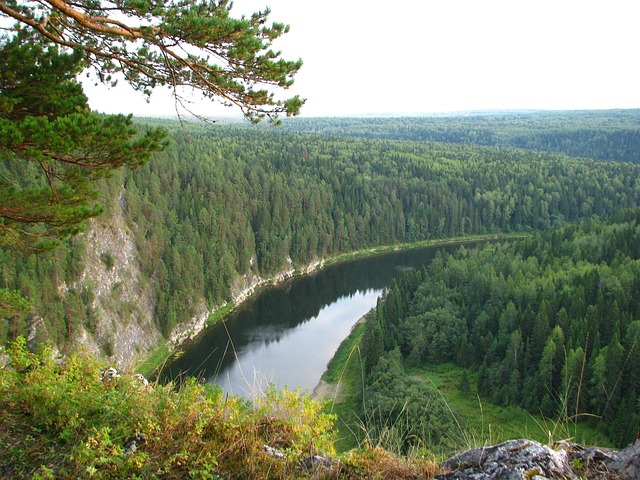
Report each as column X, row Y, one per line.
column 511, row 460
column 530, row 460
column 626, row 463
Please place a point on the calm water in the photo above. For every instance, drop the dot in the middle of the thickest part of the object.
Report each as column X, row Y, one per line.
column 287, row 334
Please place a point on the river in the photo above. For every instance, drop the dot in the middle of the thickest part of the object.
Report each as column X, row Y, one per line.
column 287, row 334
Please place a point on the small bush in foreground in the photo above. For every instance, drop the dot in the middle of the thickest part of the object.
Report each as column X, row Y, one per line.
column 64, row 421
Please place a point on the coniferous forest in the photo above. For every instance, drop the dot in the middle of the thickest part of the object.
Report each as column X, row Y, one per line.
column 600, row 134
column 122, row 238
column 224, row 201
column 547, row 323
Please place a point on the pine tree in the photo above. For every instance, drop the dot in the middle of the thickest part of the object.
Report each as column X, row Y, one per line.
column 194, row 46
column 53, row 147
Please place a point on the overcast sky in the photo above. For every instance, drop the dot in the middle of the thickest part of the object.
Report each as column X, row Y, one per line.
column 422, row 56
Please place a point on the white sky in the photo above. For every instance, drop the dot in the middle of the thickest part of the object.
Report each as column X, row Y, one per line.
column 420, row 56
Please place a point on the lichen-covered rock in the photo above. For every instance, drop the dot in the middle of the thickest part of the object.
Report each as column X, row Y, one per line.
column 511, row 460
column 123, row 307
column 529, row 460
column 589, row 461
column 626, row 463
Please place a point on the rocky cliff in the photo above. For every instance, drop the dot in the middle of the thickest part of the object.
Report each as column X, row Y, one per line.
column 125, row 328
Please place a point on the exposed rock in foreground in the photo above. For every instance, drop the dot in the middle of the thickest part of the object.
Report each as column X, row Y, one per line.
column 529, row 460
column 627, row 462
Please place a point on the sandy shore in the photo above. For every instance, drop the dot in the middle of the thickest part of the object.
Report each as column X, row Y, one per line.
column 325, row 390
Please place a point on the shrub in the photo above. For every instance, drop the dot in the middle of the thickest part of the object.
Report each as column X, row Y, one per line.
column 65, row 419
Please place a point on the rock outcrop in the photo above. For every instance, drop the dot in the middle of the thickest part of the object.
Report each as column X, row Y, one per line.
column 125, row 329
column 530, row 460
column 511, row 460
column 626, row 463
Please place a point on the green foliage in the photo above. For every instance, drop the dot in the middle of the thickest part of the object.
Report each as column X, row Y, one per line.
column 154, row 361
column 548, row 323
column 64, row 419
column 52, row 148
column 272, row 195
column 40, row 278
column 486, row 423
column 107, row 259
column 598, row 134
column 229, row 201
column 59, row 419
column 402, row 414
column 348, row 348
column 12, row 303
column 13, row 309
column 344, row 374
column 179, row 45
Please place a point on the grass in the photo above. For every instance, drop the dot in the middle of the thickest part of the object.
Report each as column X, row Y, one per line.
column 486, row 423
column 482, row 422
column 153, row 360
column 345, row 371
column 348, row 347
column 221, row 312
column 64, row 421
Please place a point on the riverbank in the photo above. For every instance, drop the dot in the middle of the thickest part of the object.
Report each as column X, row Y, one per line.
column 331, row 390
column 255, row 285
column 482, row 422
column 345, row 257
column 340, row 389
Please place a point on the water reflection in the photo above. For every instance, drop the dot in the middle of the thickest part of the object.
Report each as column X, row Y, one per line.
column 298, row 356
column 287, row 334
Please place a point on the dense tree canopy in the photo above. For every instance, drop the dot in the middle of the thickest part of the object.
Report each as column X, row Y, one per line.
column 599, row 134
column 549, row 323
column 222, row 202
column 53, row 147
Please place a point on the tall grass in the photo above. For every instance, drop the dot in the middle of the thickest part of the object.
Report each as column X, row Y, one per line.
column 478, row 421
column 62, row 420
column 487, row 423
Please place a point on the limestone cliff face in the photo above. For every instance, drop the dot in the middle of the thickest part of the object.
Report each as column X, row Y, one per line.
column 125, row 329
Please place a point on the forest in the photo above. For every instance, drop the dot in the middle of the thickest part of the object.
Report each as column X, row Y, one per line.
column 601, row 134
column 222, row 201
column 549, row 323
column 191, row 212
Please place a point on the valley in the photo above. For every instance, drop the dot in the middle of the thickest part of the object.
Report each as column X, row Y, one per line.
column 226, row 211
column 395, row 241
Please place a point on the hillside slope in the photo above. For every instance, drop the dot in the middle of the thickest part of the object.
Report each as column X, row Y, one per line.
column 223, row 209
